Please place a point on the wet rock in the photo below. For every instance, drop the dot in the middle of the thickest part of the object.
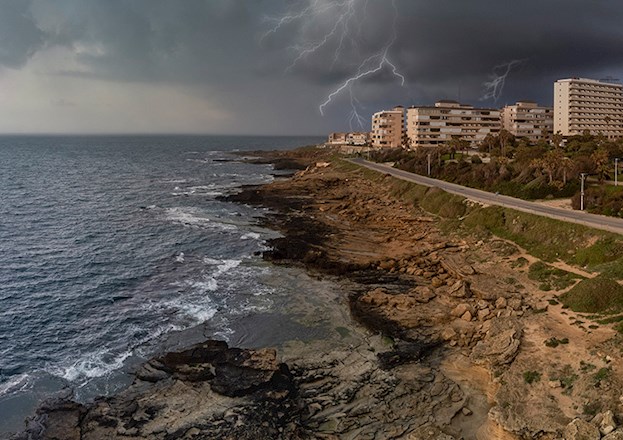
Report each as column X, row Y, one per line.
column 151, row 372
column 56, row 419
column 579, row 429
column 404, row 353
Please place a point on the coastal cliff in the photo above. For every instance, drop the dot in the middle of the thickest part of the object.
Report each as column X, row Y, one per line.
column 456, row 338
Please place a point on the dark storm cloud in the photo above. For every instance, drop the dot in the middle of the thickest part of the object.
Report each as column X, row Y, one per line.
column 446, row 45
column 146, row 40
column 19, row 35
column 224, row 50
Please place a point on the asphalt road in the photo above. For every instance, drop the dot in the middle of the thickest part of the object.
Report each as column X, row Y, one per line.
column 610, row 224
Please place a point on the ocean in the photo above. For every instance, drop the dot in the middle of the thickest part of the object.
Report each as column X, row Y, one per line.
column 113, row 247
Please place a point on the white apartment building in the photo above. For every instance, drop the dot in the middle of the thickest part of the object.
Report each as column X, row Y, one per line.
column 387, row 128
column 447, row 120
column 528, row 120
column 587, row 104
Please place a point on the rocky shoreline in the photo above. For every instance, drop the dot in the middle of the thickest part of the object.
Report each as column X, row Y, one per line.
column 451, row 327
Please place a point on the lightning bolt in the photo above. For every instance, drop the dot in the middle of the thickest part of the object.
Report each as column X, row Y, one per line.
column 346, row 23
column 495, row 86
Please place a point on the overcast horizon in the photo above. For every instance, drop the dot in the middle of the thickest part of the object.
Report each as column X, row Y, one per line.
column 284, row 67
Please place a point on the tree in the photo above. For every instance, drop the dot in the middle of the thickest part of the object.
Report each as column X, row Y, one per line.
column 489, row 143
column 557, row 139
column 567, row 167
column 505, row 139
column 602, row 163
column 551, row 163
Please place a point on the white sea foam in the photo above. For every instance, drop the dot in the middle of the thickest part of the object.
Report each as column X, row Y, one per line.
column 185, row 216
column 16, row 384
column 226, row 266
column 197, row 312
column 222, row 266
column 250, row 236
column 91, row 366
column 192, row 217
column 208, row 284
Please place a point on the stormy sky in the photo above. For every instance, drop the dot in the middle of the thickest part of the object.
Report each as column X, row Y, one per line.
column 267, row 66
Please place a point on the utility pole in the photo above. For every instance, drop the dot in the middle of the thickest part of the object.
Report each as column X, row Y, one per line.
column 582, row 176
column 428, row 164
column 616, row 171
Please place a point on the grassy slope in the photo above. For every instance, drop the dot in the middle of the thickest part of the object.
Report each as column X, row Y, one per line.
column 545, row 238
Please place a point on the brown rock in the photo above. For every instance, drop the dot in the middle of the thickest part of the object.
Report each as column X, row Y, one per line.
column 541, row 306
column 460, row 289
column 448, row 333
column 437, row 282
column 607, row 423
column 515, row 303
column 501, row 303
column 615, row 435
column 501, row 344
column 423, row 294
column 482, row 314
column 467, row 316
column 579, row 429
column 460, row 310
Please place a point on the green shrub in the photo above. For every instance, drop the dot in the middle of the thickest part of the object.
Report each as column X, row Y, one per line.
column 555, row 342
column 551, row 277
column 531, row 377
column 595, row 295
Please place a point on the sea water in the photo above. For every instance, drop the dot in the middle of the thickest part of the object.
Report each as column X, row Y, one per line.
column 110, row 244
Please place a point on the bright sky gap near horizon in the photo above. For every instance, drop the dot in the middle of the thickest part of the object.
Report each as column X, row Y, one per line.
column 265, row 67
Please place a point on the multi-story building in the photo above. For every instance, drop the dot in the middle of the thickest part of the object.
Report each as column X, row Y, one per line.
column 447, row 120
column 586, row 104
column 388, row 128
column 528, row 120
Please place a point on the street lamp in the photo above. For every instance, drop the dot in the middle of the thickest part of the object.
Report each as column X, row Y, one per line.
column 583, row 177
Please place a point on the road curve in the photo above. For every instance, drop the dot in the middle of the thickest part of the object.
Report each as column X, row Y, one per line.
column 611, row 224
